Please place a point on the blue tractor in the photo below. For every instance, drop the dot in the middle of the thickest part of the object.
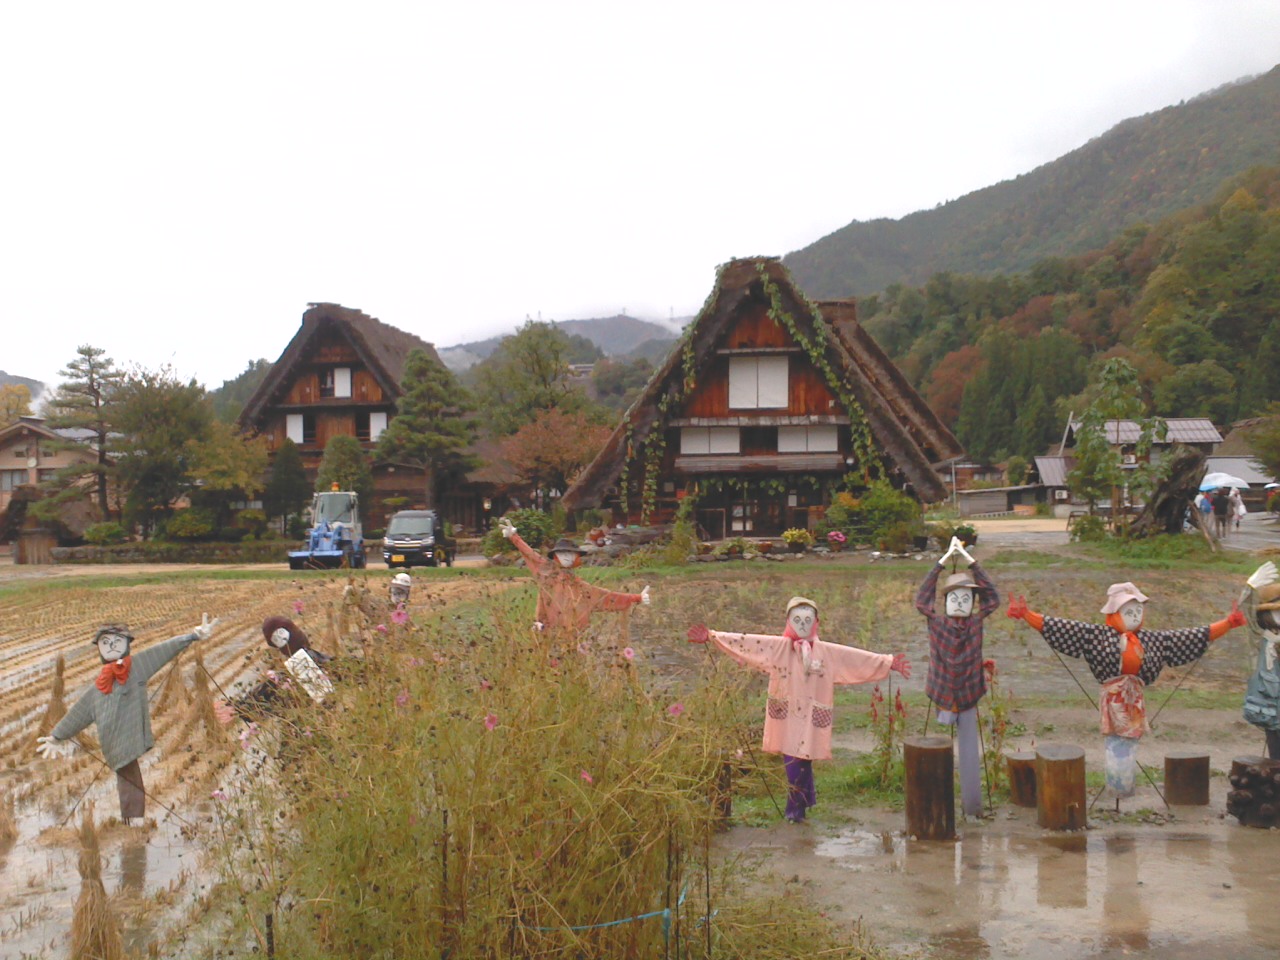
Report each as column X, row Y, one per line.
column 335, row 538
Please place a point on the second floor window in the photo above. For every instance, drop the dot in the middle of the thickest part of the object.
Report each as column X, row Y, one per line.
column 335, row 382
column 757, row 383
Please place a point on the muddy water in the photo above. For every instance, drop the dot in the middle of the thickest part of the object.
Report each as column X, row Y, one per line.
column 1006, row 889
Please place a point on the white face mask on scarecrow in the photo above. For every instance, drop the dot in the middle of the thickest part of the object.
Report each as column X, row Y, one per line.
column 113, row 643
column 802, row 618
column 401, row 584
column 279, row 637
column 566, row 554
column 1132, row 614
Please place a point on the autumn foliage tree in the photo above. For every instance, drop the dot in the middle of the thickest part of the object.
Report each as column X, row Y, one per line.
column 550, row 451
column 15, row 402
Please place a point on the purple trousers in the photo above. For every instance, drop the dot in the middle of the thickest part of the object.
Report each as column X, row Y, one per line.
column 801, row 794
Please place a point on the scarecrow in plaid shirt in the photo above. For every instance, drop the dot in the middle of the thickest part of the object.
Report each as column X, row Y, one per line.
column 956, row 680
column 117, row 703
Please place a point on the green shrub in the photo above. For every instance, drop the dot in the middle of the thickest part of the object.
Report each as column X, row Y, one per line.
column 253, row 521
column 880, row 508
column 233, row 535
column 103, row 533
column 193, row 523
column 535, row 527
column 1090, row 528
column 896, row 537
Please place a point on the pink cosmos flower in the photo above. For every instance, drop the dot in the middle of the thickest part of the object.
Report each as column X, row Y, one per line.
column 628, row 653
column 675, row 709
column 400, row 617
column 297, row 606
column 219, row 795
column 272, row 676
column 586, row 776
column 416, row 661
column 490, row 721
column 555, row 662
column 381, row 628
column 402, row 698
column 246, row 735
column 485, row 685
column 583, row 648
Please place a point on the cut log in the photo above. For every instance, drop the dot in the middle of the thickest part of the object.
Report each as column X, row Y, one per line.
column 931, row 788
column 1060, row 793
column 1022, row 778
column 1254, row 798
column 1186, row 778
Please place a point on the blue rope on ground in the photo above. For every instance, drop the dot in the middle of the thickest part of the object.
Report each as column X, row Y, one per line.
column 664, row 914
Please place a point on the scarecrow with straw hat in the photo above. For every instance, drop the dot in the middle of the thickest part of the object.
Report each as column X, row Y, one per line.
column 565, row 600
column 803, row 672
column 956, row 680
column 117, row 703
column 1260, row 603
column 1125, row 659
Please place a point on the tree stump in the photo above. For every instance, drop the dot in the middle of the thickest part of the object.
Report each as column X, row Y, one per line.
column 1186, row 778
column 1060, row 793
column 1022, row 778
column 1255, row 789
column 931, row 788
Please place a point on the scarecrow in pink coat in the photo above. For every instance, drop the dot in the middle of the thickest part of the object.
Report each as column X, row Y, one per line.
column 565, row 600
column 803, row 672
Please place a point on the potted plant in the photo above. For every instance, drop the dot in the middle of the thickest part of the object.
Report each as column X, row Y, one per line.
column 735, row 547
column 836, row 540
column 966, row 534
column 797, row 539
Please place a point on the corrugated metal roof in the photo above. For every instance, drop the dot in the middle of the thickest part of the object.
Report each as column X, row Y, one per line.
column 1181, row 430
column 1053, row 470
column 1242, row 467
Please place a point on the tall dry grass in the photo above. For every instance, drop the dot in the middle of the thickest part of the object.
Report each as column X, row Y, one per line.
column 479, row 790
column 57, row 708
column 95, row 933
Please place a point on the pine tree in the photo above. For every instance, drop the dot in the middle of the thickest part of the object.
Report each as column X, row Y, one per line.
column 81, row 405
column 429, row 430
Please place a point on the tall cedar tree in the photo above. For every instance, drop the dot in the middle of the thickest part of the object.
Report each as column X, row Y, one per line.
column 288, row 488
column 158, row 421
column 82, row 404
column 429, row 430
column 346, row 464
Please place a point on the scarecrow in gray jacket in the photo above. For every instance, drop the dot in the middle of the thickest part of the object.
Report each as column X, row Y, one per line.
column 1260, row 603
column 117, row 703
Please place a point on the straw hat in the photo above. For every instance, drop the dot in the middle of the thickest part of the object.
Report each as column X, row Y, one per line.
column 565, row 545
column 800, row 602
column 1118, row 594
column 956, row 581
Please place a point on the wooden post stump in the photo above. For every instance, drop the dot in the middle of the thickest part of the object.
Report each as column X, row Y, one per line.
column 1022, row 778
column 1254, row 799
column 931, row 788
column 1186, row 778
column 1060, row 793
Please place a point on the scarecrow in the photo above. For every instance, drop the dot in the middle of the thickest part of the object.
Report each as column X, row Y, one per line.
column 956, row 680
column 565, row 601
column 1260, row 602
column 401, row 584
column 803, row 671
column 1125, row 659
column 301, row 659
column 117, row 703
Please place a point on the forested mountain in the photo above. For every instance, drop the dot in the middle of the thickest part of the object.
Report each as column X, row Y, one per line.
column 35, row 386
column 1193, row 302
column 1143, row 169
column 616, row 336
column 229, row 399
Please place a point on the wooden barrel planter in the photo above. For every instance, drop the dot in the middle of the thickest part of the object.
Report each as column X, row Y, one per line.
column 1060, row 792
column 1186, row 778
column 1022, row 777
column 931, row 788
column 1254, row 798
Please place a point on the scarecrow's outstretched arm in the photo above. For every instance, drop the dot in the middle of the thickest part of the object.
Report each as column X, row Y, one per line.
column 1019, row 610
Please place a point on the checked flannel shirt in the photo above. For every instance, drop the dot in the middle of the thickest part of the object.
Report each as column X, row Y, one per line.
column 955, row 680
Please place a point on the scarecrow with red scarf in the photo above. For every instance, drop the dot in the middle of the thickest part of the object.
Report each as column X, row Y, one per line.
column 117, row 703
column 1124, row 658
column 803, row 672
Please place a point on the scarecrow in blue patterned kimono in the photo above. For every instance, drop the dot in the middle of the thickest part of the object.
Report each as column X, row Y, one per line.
column 117, row 703
column 956, row 680
column 1260, row 603
column 1125, row 659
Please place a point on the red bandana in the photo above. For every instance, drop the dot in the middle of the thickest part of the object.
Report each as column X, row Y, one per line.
column 113, row 673
column 1131, row 654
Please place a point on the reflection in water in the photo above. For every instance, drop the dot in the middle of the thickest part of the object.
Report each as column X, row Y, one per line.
column 1062, row 872
column 1255, row 881
column 1126, row 923
column 133, row 867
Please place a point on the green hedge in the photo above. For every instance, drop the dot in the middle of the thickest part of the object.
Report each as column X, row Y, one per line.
column 157, row 551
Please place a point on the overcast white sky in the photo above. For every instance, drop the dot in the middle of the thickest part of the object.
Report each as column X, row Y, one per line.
column 180, row 180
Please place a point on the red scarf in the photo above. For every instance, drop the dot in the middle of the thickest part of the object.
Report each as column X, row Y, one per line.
column 796, row 640
column 1132, row 653
column 113, row 673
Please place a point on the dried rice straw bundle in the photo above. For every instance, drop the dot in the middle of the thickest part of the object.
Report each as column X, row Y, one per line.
column 8, row 822
column 95, row 933
column 173, row 692
column 57, row 708
column 202, row 703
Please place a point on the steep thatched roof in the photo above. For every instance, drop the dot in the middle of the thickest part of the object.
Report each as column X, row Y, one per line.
column 382, row 347
column 905, row 430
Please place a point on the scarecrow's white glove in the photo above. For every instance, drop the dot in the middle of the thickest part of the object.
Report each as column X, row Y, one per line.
column 1264, row 575
column 50, row 747
column 538, row 625
column 952, row 548
column 644, row 595
column 968, row 558
column 507, row 527
column 205, row 630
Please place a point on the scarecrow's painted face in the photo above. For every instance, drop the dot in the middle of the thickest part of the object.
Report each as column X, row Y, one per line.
column 279, row 638
column 1131, row 613
column 960, row 602
column 566, row 558
column 1269, row 620
column 112, row 646
column 399, row 593
column 802, row 620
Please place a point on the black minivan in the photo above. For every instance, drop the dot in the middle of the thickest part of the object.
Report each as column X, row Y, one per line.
column 418, row 538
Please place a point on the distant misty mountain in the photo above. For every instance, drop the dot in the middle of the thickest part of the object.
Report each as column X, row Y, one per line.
column 1142, row 170
column 617, row 336
column 35, row 386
